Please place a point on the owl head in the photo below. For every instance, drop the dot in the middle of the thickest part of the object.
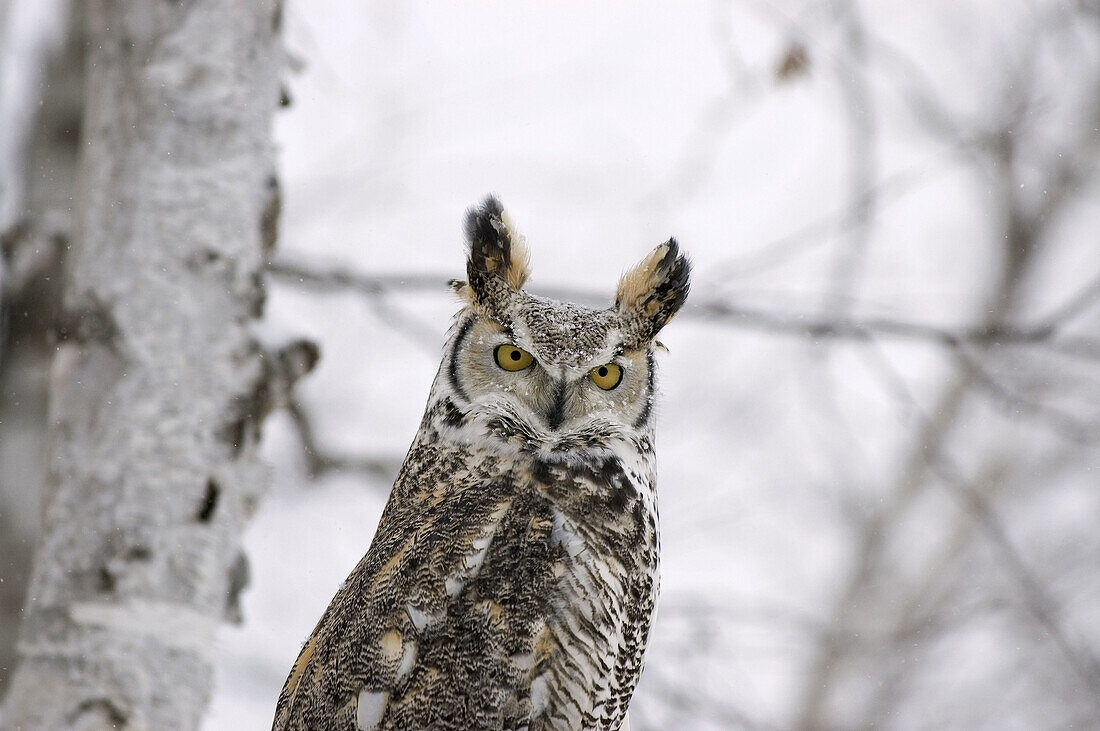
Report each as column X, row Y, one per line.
column 555, row 367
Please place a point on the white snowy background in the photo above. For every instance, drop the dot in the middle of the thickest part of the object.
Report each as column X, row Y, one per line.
column 605, row 128
column 810, row 181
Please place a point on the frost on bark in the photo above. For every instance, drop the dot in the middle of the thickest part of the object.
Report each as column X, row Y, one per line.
column 157, row 386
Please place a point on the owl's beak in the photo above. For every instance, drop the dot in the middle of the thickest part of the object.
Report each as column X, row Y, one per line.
column 556, row 412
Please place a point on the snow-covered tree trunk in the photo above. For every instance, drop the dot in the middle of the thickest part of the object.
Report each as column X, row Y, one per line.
column 158, row 385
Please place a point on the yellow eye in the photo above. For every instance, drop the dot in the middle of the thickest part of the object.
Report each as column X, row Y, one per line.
column 606, row 376
column 511, row 358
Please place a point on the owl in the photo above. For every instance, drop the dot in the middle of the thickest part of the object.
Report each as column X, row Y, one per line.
column 512, row 581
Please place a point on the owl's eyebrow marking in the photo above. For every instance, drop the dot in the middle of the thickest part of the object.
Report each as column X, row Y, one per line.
column 452, row 367
column 644, row 416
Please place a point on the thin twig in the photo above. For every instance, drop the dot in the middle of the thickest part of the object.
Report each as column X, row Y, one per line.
column 872, row 327
column 1073, row 307
column 862, row 134
column 320, row 462
column 695, row 705
column 328, row 278
column 1062, row 422
column 375, row 289
column 816, row 233
column 1036, row 599
column 724, row 312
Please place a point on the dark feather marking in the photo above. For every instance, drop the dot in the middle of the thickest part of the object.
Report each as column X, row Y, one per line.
column 490, row 256
column 486, row 239
column 647, row 408
column 557, row 409
column 450, row 414
column 452, row 366
column 672, row 291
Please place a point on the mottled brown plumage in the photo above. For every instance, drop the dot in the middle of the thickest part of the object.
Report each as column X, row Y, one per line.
column 512, row 580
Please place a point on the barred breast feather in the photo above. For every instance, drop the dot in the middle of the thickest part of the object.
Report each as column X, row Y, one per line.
column 506, row 600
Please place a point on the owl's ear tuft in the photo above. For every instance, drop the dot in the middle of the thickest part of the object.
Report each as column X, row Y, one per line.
column 651, row 293
column 497, row 253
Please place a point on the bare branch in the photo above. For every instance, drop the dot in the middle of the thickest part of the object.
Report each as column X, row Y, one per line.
column 704, row 609
column 918, row 93
column 325, row 279
column 375, row 289
column 333, row 279
column 862, row 134
column 284, row 369
column 726, row 313
column 919, row 606
column 718, row 118
column 695, row 705
column 319, row 462
column 1063, row 423
column 1018, row 245
column 1075, row 306
column 870, row 328
column 783, row 249
column 1036, row 599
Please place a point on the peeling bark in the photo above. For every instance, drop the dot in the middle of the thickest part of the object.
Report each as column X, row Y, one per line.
column 154, row 467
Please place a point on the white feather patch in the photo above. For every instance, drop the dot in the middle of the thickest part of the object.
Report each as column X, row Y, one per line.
column 564, row 535
column 370, row 706
column 453, row 586
column 419, row 618
column 540, row 695
column 473, row 561
column 523, row 661
column 408, row 660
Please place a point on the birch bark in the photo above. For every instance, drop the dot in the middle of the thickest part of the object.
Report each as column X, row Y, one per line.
column 39, row 143
column 158, row 385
